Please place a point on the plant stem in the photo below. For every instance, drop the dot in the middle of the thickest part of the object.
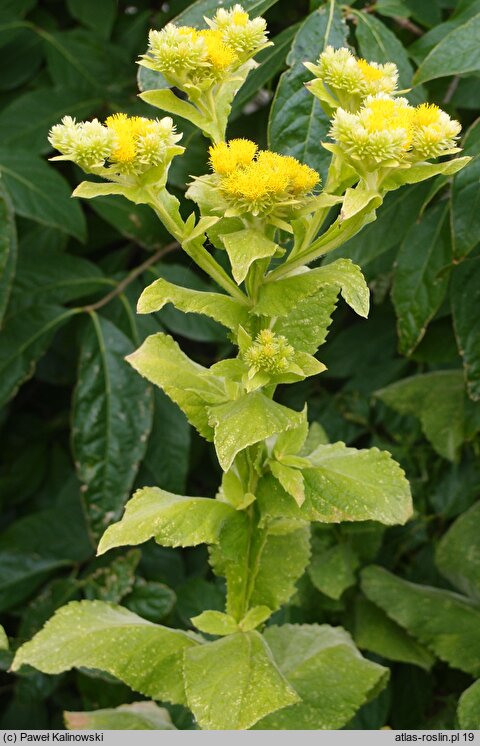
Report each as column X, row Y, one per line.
column 132, row 276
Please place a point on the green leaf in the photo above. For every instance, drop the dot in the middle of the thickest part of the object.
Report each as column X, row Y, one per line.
column 136, row 716
column 254, row 618
column 194, row 14
column 112, row 417
column 188, row 384
column 447, row 623
column 245, row 247
column 172, row 519
column 294, row 110
column 376, row 632
column 333, row 565
column 99, row 18
column 150, row 600
column 92, row 189
column 464, row 299
column 278, row 558
column 327, row 671
column 167, row 455
column 291, row 481
column 8, row 249
column 422, row 171
column 344, row 484
column 221, row 308
column 18, row 129
column 271, row 61
column 458, row 553
column 378, row 44
column 95, row 634
column 215, row 623
column 282, row 296
column 466, row 199
column 138, row 223
column 420, row 280
column 166, row 100
column 3, row 639
column 306, row 326
column 282, row 562
column 232, row 683
column 454, row 55
column 45, row 274
column 469, row 708
column 248, row 420
column 26, row 335
column 39, row 193
column 440, row 402
column 464, row 10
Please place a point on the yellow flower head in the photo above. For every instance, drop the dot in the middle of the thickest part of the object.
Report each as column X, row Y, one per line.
column 434, row 133
column 226, row 157
column 140, row 143
column 258, row 182
column 218, row 54
column 269, row 353
column 241, row 33
column 350, row 80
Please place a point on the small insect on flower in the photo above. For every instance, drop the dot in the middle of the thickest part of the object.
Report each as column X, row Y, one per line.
column 342, row 80
column 259, row 182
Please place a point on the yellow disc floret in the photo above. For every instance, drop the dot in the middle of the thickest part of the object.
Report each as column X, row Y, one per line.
column 258, row 182
column 218, row 54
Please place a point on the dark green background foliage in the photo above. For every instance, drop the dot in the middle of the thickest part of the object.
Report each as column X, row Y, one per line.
column 80, row 429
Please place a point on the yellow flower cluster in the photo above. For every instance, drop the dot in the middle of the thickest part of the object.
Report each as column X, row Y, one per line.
column 343, row 80
column 187, row 57
column 270, row 353
column 259, row 182
column 129, row 145
column 388, row 131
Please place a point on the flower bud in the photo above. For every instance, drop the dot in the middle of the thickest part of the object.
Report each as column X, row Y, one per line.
column 269, row 353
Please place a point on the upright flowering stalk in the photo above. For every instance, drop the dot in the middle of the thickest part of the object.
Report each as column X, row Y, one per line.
column 265, row 210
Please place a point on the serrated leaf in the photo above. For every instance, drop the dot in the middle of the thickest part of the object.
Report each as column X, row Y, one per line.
column 282, row 296
column 306, row 326
column 248, row 420
column 233, row 682
column 454, row 55
column 95, row 634
column 25, row 337
column 294, row 110
column 464, row 298
column 325, row 668
column 466, row 199
column 221, row 308
column 469, row 708
column 112, row 417
column 39, row 193
column 291, row 481
column 344, row 484
column 215, row 623
column 3, row 639
column 420, row 279
column 135, row 716
column 188, row 384
column 332, row 567
column 245, row 247
column 447, row 623
column 8, row 249
column 458, row 553
column 439, row 401
column 376, row 632
column 173, row 520
column 278, row 560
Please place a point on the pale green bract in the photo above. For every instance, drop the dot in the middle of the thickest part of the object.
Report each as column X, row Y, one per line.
column 265, row 215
